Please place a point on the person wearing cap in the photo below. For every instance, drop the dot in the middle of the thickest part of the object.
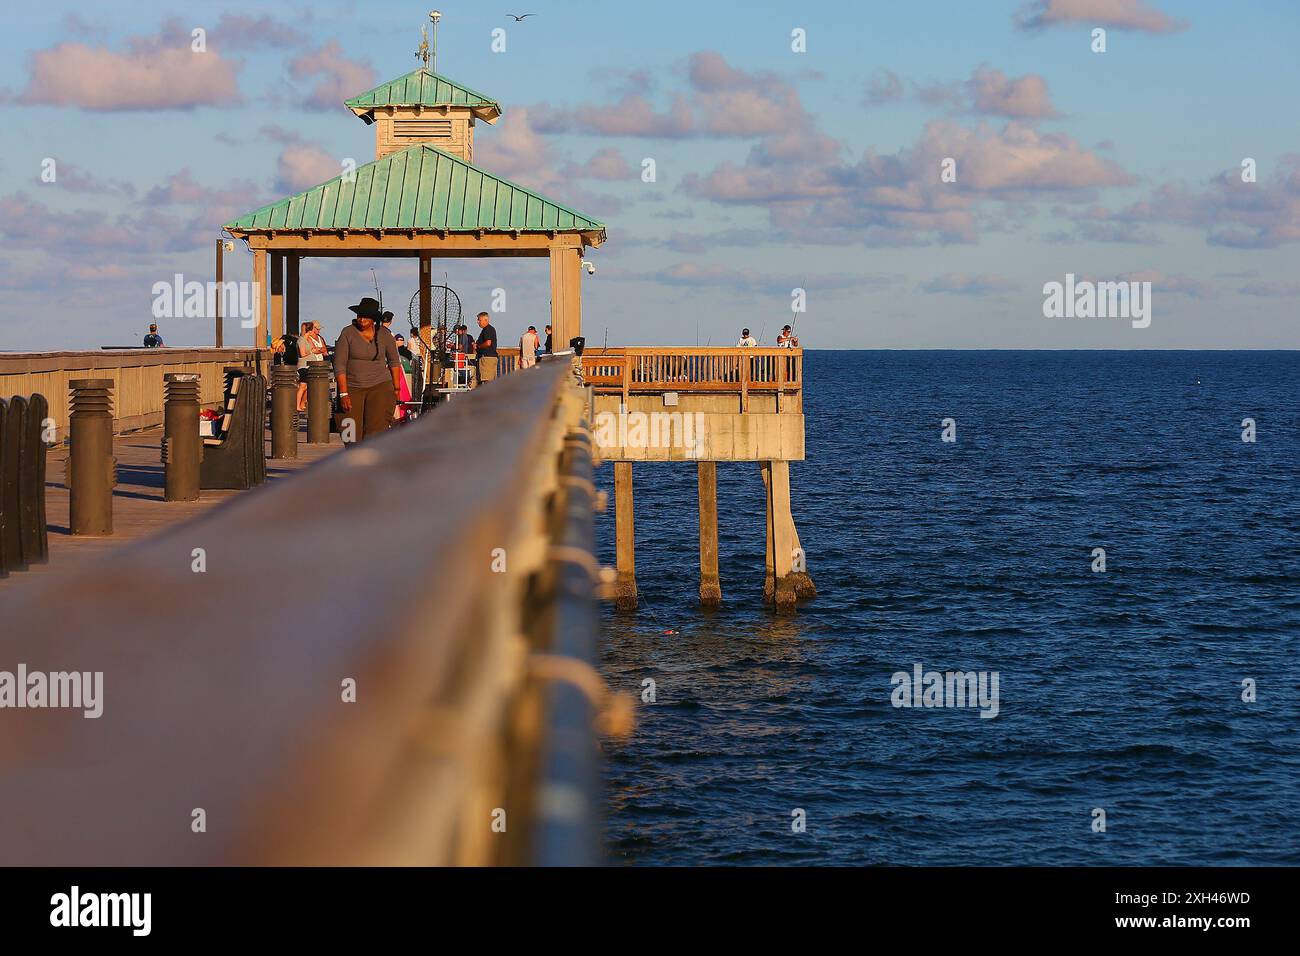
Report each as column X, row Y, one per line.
column 153, row 340
column 787, row 340
column 529, row 343
column 747, row 341
column 368, row 370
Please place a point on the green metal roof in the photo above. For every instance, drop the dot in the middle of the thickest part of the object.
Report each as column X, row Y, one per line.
column 419, row 188
column 423, row 87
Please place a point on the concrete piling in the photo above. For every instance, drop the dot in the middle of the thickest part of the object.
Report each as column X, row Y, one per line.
column 625, row 538
column 284, row 412
column 90, row 459
column 780, row 536
column 182, row 449
column 710, row 585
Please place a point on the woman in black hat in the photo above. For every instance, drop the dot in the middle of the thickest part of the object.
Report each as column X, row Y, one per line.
column 368, row 371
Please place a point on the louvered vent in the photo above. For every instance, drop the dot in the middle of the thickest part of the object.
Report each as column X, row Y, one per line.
column 420, row 130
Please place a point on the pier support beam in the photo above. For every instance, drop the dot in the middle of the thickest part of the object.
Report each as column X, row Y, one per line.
column 259, row 298
column 780, row 535
column 277, row 295
column 710, row 585
column 292, row 271
column 625, row 538
column 800, row 583
column 566, row 295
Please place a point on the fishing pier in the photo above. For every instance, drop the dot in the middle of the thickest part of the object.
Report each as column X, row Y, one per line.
column 318, row 668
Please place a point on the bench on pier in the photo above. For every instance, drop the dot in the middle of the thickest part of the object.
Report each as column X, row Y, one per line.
column 236, row 456
column 24, row 537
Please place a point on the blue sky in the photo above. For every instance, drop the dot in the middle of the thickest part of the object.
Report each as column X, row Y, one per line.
column 815, row 169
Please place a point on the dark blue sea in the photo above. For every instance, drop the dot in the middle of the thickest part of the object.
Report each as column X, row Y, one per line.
column 1119, row 690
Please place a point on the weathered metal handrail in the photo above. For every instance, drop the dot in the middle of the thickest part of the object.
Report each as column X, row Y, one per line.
column 352, row 687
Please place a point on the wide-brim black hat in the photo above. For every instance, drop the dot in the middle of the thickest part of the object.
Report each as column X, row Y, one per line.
column 367, row 307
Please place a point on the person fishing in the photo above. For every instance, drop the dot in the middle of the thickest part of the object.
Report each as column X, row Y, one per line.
column 368, row 370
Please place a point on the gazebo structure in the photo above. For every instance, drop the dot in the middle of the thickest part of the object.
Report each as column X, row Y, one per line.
column 422, row 197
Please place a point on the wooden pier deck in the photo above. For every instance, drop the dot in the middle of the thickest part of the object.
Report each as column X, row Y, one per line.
column 139, row 509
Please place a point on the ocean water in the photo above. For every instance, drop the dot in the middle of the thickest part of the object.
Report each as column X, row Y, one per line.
column 1119, row 690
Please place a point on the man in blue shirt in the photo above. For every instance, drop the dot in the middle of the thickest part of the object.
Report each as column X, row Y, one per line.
column 153, row 340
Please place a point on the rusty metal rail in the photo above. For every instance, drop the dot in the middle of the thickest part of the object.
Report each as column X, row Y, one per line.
column 443, row 570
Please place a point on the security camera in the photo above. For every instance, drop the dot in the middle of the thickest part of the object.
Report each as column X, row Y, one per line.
column 589, row 266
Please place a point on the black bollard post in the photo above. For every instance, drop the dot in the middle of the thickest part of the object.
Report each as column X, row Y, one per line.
column 182, row 449
column 31, row 476
column 318, row 403
column 90, row 459
column 11, row 553
column 284, row 412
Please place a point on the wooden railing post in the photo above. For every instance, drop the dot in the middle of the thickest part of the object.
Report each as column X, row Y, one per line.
column 744, row 382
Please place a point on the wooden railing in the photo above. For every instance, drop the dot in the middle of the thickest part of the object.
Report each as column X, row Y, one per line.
column 137, row 376
column 372, row 684
column 727, row 370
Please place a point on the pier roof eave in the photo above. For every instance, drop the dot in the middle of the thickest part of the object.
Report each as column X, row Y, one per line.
column 419, row 198
column 423, row 88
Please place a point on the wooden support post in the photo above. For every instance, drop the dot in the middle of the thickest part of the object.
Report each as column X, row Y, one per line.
column 277, row 295
column 426, row 298
column 292, row 265
column 566, row 295
column 710, row 585
column 781, row 534
column 744, row 383
column 625, row 538
column 221, row 263
column 259, row 298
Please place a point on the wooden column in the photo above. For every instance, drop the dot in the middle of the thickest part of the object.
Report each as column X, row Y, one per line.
column 426, row 297
column 259, row 298
column 292, row 264
column 710, row 585
column 781, row 535
column 277, row 295
column 625, row 538
column 566, row 294
column 221, row 263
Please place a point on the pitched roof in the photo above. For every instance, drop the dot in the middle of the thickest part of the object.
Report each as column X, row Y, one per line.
column 423, row 87
column 419, row 188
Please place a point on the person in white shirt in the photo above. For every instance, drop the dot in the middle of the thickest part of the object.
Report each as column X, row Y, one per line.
column 529, row 343
column 747, row 341
column 787, row 340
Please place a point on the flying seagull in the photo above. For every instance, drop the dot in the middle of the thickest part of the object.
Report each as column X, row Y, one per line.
column 518, row 18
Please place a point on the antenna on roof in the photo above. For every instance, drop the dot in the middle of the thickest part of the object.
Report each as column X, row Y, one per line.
column 424, row 52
